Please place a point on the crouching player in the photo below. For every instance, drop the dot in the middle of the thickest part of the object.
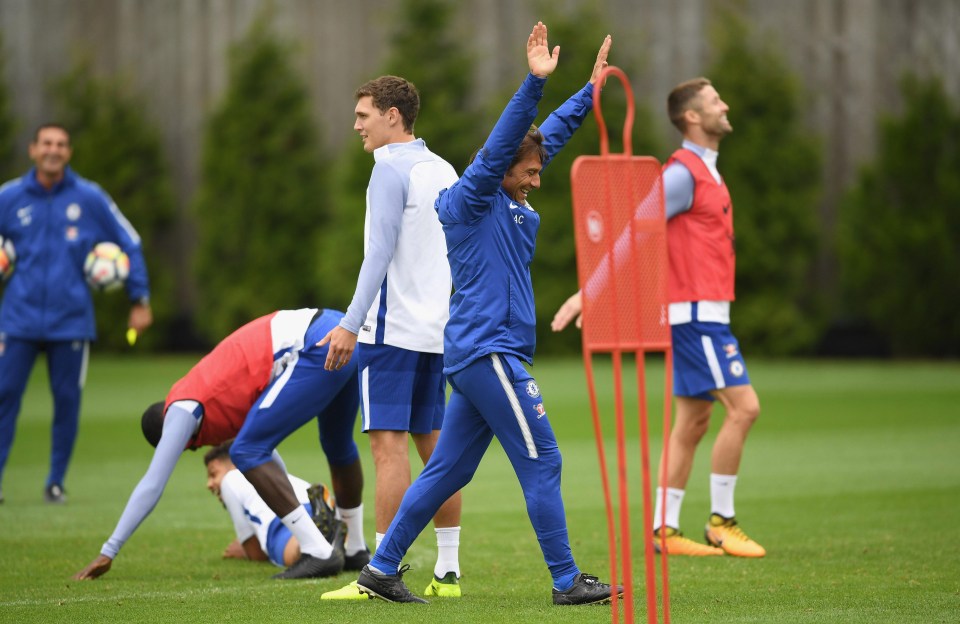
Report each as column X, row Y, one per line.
column 259, row 385
column 260, row 535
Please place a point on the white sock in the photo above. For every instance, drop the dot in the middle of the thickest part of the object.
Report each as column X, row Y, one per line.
column 380, row 537
column 354, row 519
column 448, row 549
column 307, row 533
column 674, row 501
column 721, row 494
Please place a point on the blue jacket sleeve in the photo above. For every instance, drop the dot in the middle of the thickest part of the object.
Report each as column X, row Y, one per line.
column 471, row 196
column 120, row 231
column 563, row 122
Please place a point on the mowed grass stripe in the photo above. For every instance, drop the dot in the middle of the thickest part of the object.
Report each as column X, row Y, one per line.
column 850, row 479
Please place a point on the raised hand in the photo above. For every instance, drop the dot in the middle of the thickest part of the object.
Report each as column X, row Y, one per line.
column 601, row 60
column 539, row 58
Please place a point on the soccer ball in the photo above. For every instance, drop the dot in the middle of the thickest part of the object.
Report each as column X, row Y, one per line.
column 8, row 255
column 106, row 267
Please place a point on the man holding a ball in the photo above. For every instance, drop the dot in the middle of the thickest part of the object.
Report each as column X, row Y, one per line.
column 52, row 217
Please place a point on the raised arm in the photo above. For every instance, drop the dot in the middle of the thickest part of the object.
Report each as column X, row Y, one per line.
column 560, row 125
column 539, row 57
column 601, row 63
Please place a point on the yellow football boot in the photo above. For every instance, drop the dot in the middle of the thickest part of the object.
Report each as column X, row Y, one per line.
column 676, row 544
column 724, row 533
column 348, row 592
column 447, row 587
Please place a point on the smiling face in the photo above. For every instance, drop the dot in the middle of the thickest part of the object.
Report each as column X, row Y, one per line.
column 376, row 128
column 712, row 112
column 522, row 178
column 50, row 151
column 216, row 470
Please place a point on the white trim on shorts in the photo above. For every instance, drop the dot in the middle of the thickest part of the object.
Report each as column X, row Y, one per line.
column 712, row 362
column 365, row 396
column 515, row 405
column 281, row 381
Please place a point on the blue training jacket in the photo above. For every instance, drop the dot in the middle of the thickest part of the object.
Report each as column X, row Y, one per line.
column 491, row 240
column 52, row 232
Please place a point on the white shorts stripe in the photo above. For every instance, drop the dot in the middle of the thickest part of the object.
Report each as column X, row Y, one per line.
column 365, row 396
column 281, row 381
column 712, row 362
column 515, row 405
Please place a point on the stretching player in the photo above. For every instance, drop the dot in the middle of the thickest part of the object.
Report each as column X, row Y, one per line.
column 260, row 384
column 491, row 233
column 707, row 364
column 260, row 535
column 398, row 311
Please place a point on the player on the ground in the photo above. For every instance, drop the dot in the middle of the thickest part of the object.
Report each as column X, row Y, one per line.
column 491, row 232
column 398, row 312
column 260, row 535
column 54, row 218
column 707, row 363
column 260, row 384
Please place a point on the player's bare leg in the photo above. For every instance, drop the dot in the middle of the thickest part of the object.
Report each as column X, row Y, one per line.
column 391, row 463
column 743, row 408
column 691, row 422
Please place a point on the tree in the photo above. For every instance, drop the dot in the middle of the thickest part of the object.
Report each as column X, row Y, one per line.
column 262, row 197
column 579, row 33
column 115, row 145
column 8, row 125
column 425, row 51
column 772, row 167
column 899, row 227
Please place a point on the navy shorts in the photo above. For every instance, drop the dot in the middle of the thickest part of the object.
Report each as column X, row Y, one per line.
column 706, row 357
column 400, row 390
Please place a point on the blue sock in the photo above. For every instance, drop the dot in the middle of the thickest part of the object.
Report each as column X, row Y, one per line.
column 565, row 582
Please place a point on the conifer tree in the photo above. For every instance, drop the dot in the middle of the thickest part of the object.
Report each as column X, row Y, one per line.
column 426, row 51
column 262, row 195
column 771, row 165
column 899, row 227
column 117, row 146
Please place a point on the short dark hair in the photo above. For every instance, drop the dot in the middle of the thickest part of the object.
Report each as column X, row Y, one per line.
column 394, row 92
column 152, row 423
column 51, row 124
column 682, row 98
column 220, row 451
column 531, row 144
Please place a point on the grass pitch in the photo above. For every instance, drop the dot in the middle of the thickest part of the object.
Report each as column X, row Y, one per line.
column 851, row 480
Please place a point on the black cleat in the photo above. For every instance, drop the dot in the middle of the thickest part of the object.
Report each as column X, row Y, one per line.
column 55, row 494
column 586, row 589
column 324, row 510
column 386, row 586
column 308, row 566
column 357, row 560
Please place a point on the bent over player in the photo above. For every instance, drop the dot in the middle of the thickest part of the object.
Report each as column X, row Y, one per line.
column 491, row 232
column 260, row 384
